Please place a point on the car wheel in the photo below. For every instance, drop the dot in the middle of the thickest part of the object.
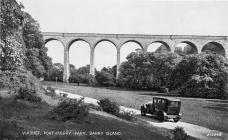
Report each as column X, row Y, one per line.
column 143, row 112
column 161, row 116
column 176, row 120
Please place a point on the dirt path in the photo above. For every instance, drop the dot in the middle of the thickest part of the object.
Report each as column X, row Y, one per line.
column 191, row 129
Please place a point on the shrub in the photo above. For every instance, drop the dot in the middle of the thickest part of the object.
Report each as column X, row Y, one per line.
column 75, row 78
column 179, row 134
column 15, row 79
column 109, row 106
column 70, row 109
column 92, row 106
column 104, row 78
column 50, row 92
column 126, row 115
column 28, row 93
column 113, row 108
column 21, row 81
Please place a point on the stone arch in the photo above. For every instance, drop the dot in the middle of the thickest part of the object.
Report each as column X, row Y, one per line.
column 128, row 47
column 106, row 55
column 108, row 40
column 214, row 47
column 75, row 40
column 135, row 41
column 162, row 43
column 79, row 48
column 190, row 48
column 51, row 39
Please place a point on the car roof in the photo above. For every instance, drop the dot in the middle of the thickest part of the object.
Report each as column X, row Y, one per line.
column 167, row 98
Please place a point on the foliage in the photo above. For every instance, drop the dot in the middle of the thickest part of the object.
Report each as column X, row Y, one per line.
column 187, row 50
column 109, row 106
column 75, row 78
column 126, row 115
column 111, row 70
column 201, row 75
column 37, row 60
column 12, row 45
column 71, row 109
column 12, row 54
column 114, row 109
column 179, row 134
column 28, row 93
column 11, row 17
column 55, row 72
column 50, row 92
column 147, row 70
column 214, row 48
column 104, row 78
column 162, row 49
column 16, row 79
column 84, row 70
column 32, row 62
column 81, row 75
column 21, row 81
column 21, row 40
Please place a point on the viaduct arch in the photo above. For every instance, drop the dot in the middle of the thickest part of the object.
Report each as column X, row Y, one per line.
column 171, row 41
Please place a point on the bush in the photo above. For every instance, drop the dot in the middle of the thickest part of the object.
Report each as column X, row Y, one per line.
column 179, row 134
column 70, row 109
column 126, row 115
column 50, row 92
column 13, row 80
column 75, row 78
column 29, row 94
column 109, row 106
column 104, row 78
column 21, row 81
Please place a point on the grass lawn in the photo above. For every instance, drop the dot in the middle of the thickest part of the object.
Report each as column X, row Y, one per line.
column 18, row 117
column 212, row 114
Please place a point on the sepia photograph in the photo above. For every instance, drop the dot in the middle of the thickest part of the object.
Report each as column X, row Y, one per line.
column 114, row 70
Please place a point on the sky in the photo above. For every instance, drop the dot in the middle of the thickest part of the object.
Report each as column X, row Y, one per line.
column 124, row 17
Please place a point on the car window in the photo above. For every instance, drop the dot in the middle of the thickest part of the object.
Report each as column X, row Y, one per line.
column 163, row 101
column 174, row 104
column 155, row 100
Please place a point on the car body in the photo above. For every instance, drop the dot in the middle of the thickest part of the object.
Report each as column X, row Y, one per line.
column 162, row 108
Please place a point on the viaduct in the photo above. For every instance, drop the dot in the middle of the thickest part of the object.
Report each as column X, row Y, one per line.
column 170, row 41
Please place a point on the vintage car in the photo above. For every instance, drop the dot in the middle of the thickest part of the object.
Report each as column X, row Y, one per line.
column 162, row 108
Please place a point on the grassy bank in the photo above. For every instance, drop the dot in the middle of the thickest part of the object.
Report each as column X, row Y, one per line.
column 24, row 120
column 208, row 113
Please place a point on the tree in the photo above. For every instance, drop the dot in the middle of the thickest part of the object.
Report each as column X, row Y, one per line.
column 162, row 49
column 11, row 18
column 84, row 69
column 12, row 45
column 23, row 44
column 37, row 60
column 146, row 70
column 187, row 50
column 105, row 78
column 111, row 70
column 201, row 75
column 55, row 72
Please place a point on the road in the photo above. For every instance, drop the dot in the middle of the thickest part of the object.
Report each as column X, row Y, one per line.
column 191, row 129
